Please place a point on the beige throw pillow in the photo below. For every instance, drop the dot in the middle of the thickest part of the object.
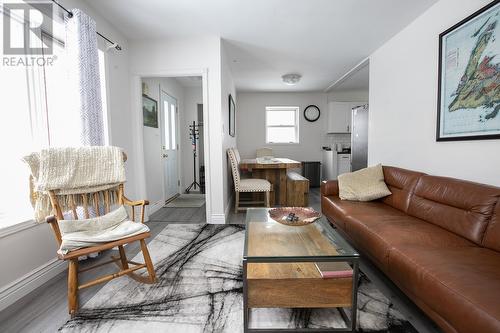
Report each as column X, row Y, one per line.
column 363, row 185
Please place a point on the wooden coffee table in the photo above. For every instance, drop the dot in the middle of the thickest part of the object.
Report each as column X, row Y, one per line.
column 279, row 269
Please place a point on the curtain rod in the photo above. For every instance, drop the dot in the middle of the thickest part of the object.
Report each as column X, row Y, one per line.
column 70, row 15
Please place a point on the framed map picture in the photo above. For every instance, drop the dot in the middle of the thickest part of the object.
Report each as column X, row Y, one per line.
column 149, row 111
column 469, row 78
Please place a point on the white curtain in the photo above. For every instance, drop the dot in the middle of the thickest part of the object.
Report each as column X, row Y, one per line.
column 83, row 62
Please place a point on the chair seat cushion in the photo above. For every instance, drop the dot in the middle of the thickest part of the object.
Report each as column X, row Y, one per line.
column 254, row 185
column 99, row 230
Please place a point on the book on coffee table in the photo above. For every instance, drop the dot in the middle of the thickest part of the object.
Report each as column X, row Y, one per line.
column 332, row 270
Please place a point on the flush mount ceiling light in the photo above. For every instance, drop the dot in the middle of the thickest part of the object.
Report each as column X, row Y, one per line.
column 291, row 79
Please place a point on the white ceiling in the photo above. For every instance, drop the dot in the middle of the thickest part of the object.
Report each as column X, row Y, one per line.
column 264, row 39
column 357, row 80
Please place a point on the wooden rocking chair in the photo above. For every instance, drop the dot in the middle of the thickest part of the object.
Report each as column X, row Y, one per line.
column 122, row 262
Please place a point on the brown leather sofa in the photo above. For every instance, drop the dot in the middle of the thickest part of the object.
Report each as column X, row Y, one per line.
column 436, row 238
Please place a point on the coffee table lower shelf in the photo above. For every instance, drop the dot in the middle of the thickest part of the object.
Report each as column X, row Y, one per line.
column 298, row 285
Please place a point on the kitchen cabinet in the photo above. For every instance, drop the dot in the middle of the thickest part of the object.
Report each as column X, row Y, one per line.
column 344, row 163
column 340, row 115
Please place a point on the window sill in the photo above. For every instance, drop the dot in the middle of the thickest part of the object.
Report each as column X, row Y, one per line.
column 283, row 143
column 12, row 229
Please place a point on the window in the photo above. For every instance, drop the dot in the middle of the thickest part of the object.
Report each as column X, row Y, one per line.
column 34, row 106
column 282, row 124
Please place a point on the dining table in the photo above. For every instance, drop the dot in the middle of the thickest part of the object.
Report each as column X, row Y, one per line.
column 275, row 171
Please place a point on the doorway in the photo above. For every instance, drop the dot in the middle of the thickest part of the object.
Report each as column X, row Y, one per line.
column 170, row 146
column 174, row 150
column 347, row 150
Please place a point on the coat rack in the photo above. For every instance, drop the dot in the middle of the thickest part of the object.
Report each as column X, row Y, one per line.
column 194, row 134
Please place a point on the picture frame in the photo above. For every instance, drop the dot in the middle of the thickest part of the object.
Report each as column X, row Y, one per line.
column 468, row 106
column 149, row 111
column 232, row 117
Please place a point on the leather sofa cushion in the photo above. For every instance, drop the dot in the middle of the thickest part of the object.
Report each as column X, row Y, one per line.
column 375, row 228
column 459, row 283
column 492, row 236
column 378, row 235
column 461, row 207
column 401, row 183
column 340, row 211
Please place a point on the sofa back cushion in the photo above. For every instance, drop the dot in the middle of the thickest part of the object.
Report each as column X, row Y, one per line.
column 491, row 239
column 462, row 207
column 401, row 183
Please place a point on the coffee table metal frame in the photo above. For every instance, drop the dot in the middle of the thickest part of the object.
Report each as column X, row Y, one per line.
column 352, row 258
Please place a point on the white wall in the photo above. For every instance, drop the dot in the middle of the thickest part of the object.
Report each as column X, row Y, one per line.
column 227, row 88
column 35, row 247
column 184, row 54
column 250, row 124
column 403, row 103
column 358, row 95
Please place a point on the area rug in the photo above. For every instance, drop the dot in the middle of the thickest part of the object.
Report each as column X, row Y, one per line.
column 199, row 289
column 187, row 201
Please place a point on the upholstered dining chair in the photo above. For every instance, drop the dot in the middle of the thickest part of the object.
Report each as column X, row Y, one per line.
column 236, row 154
column 264, row 151
column 243, row 171
column 246, row 184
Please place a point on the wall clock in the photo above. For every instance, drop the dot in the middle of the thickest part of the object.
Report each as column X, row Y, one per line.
column 312, row 113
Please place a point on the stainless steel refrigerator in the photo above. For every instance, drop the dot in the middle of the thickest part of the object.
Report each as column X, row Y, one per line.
column 359, row 138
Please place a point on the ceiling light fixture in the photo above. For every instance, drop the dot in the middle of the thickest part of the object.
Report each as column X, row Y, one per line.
column 291, row 79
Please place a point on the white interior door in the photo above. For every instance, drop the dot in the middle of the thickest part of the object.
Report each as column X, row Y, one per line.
column 170, row 145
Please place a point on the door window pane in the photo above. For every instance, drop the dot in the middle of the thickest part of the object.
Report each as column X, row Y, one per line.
column 166, row 125
column 172, row 123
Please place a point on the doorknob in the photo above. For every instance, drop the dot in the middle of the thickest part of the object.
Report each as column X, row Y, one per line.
column 164, row 155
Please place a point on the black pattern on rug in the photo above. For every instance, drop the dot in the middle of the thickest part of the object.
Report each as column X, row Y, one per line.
column 199, row 289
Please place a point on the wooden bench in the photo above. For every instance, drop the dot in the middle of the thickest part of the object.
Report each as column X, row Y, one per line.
column 297, row 190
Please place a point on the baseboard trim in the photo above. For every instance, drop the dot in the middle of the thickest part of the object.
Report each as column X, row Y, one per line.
column 153, row 208
column 228, row 208
column 218, row 219
column 21, row 287
column 15, row 228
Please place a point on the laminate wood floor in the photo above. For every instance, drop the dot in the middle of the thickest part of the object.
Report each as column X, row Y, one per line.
column 180, row 215
column 45, row 309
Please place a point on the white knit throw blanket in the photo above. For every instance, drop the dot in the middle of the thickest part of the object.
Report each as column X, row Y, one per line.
column 73, row 171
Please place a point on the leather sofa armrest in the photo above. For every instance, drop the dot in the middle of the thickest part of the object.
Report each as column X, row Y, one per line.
column 329, row 187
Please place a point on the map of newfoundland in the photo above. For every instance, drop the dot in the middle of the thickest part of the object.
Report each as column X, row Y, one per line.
column 470, row 100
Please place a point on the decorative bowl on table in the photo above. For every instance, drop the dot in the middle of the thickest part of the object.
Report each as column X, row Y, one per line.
column 294, row 216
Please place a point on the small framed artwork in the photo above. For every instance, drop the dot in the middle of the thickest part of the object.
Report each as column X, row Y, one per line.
column 469, row 78
column 232, row 117
column 149, row 111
